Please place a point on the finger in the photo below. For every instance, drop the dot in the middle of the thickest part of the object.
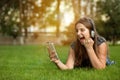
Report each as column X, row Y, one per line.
column 88, row 40
column 91, row 40
column 52, row 54
column 53, row 59
column 48, row 49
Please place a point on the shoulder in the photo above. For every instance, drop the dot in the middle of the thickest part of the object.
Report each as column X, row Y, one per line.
column 73, row 44
column 102, row 46
column 100, row 40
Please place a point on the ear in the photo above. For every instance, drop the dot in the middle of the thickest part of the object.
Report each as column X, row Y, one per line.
column 92, row 34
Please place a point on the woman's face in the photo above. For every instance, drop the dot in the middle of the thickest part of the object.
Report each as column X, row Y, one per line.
column 82, row 32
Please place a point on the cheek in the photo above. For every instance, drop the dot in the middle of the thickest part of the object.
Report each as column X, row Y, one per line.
column 87, row 34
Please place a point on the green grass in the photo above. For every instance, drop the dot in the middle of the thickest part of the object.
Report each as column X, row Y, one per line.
column 32, row 63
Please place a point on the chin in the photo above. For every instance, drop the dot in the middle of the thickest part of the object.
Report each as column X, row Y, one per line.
column 81, row 42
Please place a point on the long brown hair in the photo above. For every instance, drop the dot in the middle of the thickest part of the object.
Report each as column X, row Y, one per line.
column 80, row 51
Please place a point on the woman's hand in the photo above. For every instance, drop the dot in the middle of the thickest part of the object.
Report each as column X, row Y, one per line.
column 88, row 43
column 53, row 56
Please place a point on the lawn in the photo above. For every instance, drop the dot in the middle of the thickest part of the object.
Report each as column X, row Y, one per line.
column 31, row 62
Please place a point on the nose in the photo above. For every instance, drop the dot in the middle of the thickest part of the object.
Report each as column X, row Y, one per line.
column 79, row 33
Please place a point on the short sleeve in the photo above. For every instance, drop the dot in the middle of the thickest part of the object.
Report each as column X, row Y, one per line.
column 73, row 45
column 100, row 40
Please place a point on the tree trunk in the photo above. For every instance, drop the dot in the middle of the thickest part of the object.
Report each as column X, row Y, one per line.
column 76, row 9
column 58, row 18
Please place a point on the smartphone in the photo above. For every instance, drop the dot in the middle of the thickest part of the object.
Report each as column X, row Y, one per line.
column 51, row 47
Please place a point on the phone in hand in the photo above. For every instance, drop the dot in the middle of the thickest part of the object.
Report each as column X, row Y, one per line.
column 52, row 50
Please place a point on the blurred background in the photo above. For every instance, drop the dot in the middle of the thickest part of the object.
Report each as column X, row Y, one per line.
column 38, row 21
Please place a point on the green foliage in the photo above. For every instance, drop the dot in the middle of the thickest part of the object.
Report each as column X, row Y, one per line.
column 28, row 12
column 32, row 63
column 110, row 9
column 8, row 17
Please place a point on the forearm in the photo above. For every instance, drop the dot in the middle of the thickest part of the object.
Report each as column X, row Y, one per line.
column 61, row 66
column 96, row 63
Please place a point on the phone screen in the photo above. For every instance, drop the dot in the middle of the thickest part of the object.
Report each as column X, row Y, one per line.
column 51, row 47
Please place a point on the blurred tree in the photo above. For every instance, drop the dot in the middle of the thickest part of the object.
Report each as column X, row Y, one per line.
column 76, row 8
column 32, row 13
column 25, row 13
column 45, row 13
column 9, row 16
column 109, row 10
column 58, row 18
column 70, row 31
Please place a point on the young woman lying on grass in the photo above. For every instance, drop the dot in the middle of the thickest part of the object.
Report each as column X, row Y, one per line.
column 88, row 50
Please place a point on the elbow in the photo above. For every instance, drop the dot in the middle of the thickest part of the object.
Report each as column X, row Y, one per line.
column 100, row 67
column 70, row 68
column 67, row 68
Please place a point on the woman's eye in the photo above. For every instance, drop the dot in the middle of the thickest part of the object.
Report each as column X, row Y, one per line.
column 76, row 30
column 82, row 30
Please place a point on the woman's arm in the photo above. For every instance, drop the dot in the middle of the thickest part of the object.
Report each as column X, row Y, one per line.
column 98, row 60
column 69, row 63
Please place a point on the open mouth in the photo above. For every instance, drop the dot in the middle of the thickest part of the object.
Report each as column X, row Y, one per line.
column 82, row 38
